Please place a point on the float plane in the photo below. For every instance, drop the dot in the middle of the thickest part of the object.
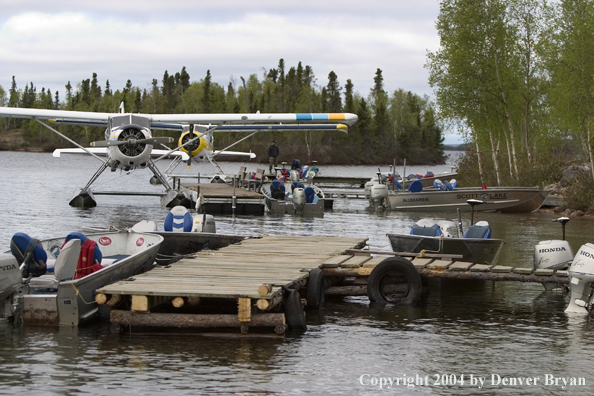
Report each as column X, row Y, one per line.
column 129, row 142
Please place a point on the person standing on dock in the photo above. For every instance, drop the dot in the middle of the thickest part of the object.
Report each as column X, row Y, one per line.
column 272, row 156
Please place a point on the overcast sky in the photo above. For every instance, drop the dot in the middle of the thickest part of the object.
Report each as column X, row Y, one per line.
column 51, row 42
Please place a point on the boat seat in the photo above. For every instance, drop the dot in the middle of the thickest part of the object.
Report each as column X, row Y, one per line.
column 433, row 230
column 295, row 185
column 397, row 185
column 277, row 190
column 415, row 186
column 448, row 186
column 478, row 231
column 178, row 220
column 309, row 194
column 97, row 255
column 64, row 268
column 67, row 260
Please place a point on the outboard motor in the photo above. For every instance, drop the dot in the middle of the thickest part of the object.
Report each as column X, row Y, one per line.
column 204, row 223
column 29, row 254
column 377, row 193
column 553, row 254
column 448, row 228
column 295, row 175
column 299, row 198
column 581, row 275
column 10, row 275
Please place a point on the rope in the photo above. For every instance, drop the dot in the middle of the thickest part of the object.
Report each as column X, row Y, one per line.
column 439, row 250
column 78, row 294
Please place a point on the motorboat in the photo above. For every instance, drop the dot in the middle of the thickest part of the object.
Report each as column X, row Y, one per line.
column 496, row 199
column 293, row 197
column 53, row 281
column 444, row 237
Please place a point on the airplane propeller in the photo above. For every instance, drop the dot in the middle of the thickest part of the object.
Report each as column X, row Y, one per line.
column 130, row 141
column 190, row 157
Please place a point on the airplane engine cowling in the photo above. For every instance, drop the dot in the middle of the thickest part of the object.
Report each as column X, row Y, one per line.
column 195, row 147
column 131, row 132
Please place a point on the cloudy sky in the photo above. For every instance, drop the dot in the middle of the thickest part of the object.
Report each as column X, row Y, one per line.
column 51, row 42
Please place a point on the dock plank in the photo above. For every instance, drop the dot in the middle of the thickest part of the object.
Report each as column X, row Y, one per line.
column 460, row 266
column 355, row 262
column 481, row 268
column 420, row 262
column 440, row 264
column 501, row 269
column 374, row 261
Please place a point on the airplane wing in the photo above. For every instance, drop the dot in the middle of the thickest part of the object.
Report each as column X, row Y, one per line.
column 88, row 117
column 103, row 151
column 232, row 153
column 159, row 153
column 346, row 118
column 95, row 150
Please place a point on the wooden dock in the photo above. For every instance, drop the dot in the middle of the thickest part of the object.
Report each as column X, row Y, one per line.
column 264, row 283
column 223, row 198
column 252, row 276
column 358, row 264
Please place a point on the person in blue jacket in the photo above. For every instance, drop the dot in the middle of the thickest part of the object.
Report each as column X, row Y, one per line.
column 273, row 156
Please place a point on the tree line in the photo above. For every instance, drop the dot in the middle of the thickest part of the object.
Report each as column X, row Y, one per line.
column 391, row 127
column 516, row 78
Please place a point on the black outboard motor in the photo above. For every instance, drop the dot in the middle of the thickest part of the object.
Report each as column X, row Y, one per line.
column 30, row 255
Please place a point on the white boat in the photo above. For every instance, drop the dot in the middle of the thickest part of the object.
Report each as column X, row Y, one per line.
column 62, row 296
column 475, row 246
column 496, row 199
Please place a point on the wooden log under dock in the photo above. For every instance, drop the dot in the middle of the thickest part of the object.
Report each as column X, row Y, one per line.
column 132, row 318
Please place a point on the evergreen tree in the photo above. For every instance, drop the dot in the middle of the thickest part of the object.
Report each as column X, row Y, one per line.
column 14, row 97
column 348, row 97
column 334, row 96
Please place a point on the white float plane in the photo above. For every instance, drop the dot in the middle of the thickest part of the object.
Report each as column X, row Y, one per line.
column 129, row 142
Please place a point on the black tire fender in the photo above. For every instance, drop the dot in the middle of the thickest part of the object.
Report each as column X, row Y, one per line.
column 384, row 269
column 315, row 294
column 294, row 314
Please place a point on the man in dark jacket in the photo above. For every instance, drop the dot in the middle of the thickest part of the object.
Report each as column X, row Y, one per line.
column 272, row 156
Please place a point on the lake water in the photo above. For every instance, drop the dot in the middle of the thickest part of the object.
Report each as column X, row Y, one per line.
column 466, row 331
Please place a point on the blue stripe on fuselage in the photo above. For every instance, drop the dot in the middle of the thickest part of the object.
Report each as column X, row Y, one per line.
column 312, row 117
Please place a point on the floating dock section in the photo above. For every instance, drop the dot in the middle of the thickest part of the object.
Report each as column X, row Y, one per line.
column 357, row 265
column 239, row 286
column 226, row 199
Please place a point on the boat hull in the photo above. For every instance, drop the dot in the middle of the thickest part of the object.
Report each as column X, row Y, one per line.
column 517, row 200
column 74, row 300
column 180, row 243
column 473, row 250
